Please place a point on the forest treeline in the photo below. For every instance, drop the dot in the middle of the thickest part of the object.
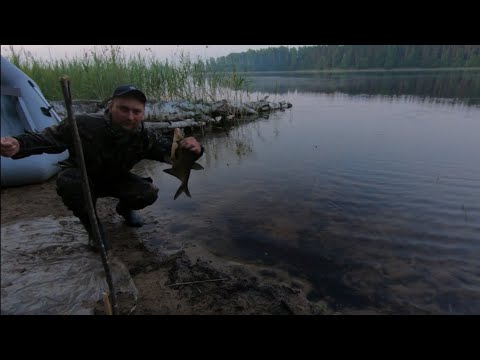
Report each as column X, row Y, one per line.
column 323, row 57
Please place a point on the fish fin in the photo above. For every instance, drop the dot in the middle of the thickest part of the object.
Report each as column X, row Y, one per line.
column 181, row 189
column 197, row 166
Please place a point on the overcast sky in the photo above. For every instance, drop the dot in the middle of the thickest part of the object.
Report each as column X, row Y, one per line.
column 161, row 51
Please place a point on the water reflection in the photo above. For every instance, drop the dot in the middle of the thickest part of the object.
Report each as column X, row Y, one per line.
column 445, row 87
column 374, row 199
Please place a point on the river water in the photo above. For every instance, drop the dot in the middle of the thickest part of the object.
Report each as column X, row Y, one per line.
column 368, row 187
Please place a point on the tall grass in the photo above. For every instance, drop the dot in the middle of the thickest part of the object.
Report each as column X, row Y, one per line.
column 95, row 74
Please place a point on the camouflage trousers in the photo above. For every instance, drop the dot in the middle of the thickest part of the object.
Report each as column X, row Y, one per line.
column 133, row 192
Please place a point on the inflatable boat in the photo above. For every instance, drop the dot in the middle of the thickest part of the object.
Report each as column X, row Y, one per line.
column 24, row 108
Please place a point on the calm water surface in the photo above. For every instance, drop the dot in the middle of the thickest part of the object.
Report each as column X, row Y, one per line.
column 369, row 187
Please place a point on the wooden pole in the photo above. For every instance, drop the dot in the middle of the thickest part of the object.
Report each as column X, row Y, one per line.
column 65, row 83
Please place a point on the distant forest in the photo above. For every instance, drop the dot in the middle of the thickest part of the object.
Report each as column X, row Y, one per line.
column 322, row 57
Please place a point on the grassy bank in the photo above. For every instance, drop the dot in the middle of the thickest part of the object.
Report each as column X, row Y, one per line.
column 95, row 74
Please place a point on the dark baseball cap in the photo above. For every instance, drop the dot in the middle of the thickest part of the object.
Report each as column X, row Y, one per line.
column 129, row 89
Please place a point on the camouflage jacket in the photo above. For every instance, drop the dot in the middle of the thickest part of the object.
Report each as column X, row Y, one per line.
column 108, row 150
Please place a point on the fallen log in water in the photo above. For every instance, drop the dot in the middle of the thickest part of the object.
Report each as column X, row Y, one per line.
column 183, row 113
column 173, row 124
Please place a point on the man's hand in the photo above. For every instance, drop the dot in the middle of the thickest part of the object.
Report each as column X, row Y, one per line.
column 189, row 143
column 9, row 146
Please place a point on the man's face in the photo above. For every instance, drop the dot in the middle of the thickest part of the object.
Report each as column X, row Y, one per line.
column 127, row 112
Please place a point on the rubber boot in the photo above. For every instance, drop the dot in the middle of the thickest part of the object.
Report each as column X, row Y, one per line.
column 132, row 218
column 94, row 245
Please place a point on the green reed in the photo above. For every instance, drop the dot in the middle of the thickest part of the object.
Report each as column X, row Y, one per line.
column 95, row 73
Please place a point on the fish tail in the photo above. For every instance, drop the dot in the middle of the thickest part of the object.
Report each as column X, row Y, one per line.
column 181, row 189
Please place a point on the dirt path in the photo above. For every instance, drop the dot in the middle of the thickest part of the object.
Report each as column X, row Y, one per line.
column 214, row 285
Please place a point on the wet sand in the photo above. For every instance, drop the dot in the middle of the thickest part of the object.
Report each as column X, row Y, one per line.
column 178, row 278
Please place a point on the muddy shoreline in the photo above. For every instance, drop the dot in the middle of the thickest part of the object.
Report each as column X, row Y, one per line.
column 180, row 277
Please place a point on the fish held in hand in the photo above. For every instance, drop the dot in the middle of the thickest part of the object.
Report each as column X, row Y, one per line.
column 183, row 161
